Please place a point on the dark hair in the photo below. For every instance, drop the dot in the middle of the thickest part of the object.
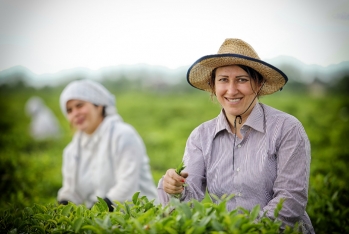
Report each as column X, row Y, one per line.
column 253, row 74
column 103, row 111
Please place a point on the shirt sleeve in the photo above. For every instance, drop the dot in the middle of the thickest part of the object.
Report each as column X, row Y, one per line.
column 195, row 167
column 291, row 184
column 128, row 154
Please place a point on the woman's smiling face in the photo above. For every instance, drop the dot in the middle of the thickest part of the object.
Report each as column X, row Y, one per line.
column 84, row 115
column 235, row 90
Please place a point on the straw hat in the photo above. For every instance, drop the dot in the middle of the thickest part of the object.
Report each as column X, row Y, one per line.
column 235, row 51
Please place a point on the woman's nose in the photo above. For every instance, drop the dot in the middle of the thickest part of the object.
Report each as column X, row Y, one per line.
column 232, row 88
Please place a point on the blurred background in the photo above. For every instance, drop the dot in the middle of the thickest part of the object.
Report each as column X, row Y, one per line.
column 141, row 51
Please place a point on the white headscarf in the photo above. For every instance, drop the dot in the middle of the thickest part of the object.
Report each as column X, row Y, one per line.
column 34, row 105
column 90, row 91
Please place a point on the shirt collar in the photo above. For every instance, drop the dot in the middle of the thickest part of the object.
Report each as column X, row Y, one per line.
column 222, row 123
column 255, row 120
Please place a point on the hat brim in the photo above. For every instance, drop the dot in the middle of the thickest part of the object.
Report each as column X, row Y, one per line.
column 199, row 74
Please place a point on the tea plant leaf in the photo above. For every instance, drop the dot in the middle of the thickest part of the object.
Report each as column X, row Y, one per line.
column 170, row 230
column 217, row 226
column 54, row 222
column 186, row 210
column 102, row 205
column 178, row 170
column 37, row 229
column 91, row 228
column 77, row 224
column 254, row 213
column 135, row 198
column 79, row 211
column 66, row 210
column 28, row 210
column 143, row 218
column 278, row 207
column 63, row 219
column 106, row 221
column 138, row 226
column 198, row 207
column 215, row 197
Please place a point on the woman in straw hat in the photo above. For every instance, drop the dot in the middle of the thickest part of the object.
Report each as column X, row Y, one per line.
column 251, row 150
column 106, row 158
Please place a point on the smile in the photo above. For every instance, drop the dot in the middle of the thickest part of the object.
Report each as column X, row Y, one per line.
column 233, row 100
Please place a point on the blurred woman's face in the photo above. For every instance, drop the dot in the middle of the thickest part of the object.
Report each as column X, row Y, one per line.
column 84, row 116
column 234, row 89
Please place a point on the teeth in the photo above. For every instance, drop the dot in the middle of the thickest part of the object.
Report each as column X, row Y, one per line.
column 233, row 99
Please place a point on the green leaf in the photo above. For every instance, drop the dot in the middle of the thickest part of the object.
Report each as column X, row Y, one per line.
column 28, row 210
column 102, row 205
column 41, row 208
column 91, row 228
column 146, row 216
column 135, row 198
column 66, row 210
column 180, row 168
column 79, row 211
column 106, row 221
column 254, row 213
column 199, row 207
column 278, row 207
column 217, row 226
column 37, row 229
column 128, row 211
column 186, row 210
column 52, row 221
column 170, row 230
column 77, row 224
column 64, row 219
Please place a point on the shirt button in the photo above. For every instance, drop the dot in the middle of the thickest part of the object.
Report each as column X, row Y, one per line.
column 239, row 146
column 238, row 169
column 239, row 194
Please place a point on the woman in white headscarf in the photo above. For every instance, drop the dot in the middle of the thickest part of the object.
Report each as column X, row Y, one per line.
column 106, row 157
column 44, row 124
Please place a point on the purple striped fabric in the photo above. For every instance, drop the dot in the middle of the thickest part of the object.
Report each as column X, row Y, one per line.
column 271, row 161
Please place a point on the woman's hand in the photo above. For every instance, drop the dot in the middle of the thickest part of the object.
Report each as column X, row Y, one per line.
column 173, row 183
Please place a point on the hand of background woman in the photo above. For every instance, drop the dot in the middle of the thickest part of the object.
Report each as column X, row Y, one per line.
column 173, row 183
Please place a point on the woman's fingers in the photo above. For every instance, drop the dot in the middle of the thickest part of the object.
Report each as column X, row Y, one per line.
column 172, row 182
column 184, row 174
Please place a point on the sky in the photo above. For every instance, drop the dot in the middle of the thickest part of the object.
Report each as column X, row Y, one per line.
column 47, row 36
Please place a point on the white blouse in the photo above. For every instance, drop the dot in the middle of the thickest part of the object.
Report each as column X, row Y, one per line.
column 112, row 163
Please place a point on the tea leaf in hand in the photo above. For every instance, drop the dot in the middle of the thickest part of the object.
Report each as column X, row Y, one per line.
column 179, row 169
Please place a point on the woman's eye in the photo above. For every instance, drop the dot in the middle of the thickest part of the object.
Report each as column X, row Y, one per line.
column 68, row 110
column 242, row 80
column 223, row 79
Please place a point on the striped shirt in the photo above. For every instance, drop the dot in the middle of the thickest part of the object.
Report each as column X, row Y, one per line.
column 271, row 161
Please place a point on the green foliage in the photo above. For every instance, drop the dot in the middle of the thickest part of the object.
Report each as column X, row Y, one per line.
column 139, row 216
column 178, row 170
column 30, row 171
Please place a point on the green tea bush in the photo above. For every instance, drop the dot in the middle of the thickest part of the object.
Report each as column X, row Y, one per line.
column 30, row 171
column 140, row 216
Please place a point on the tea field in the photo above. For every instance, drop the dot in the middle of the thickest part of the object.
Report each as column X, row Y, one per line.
column 31, row 170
